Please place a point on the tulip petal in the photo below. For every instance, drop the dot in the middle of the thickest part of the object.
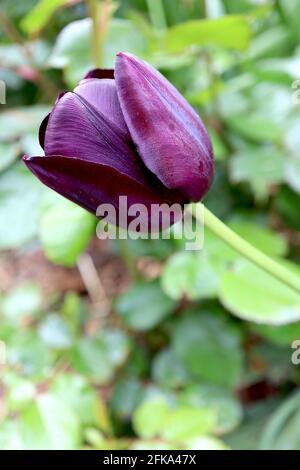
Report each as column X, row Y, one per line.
column 44, row 123
column 42, row 130
column 77, row 129
column 100, row 73
column 170, row 137
column 102, row 94
column 90, row 184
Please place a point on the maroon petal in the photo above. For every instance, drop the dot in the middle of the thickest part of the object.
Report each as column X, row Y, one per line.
column 77, row 129
column 100, row 73
column 90, row 184
column 44, row 124
column 102, row 94
column 42, row 130
column 170, row 137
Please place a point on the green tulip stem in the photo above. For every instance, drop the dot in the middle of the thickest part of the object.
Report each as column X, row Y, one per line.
column 250, row 252
column 94, row 12
column 157, row 14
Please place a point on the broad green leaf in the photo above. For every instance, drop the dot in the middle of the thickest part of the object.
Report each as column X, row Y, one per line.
column 248, row 435
column 283, row 335
column 21, row 303
column 72, row 50
column 287, row 204
column 76, row 392
column 205, row 443
column 282, row 431
column 12, row 56
column 186, row 422
column 65, row 231
column 228, row 31
column 150, row 417
column 49, row 424
column 20, row 392
column 20, row 194
column 260, row 167
column 98, row 357
column 16, row 122
column 144, row 306
column 226, row 407
column 198, row 339
column 271, row 42
column 168, row 370
column 256, row 128
column 127, row 394
column 155, row 418
column 143, row 444
column 254, row 295
column 8, row 154
column 55, row 332
column 292, row 174
column 190, row 274
column 39, row 16
column 28, row 353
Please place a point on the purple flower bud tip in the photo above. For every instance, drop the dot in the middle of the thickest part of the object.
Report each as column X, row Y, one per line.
column 125, row 132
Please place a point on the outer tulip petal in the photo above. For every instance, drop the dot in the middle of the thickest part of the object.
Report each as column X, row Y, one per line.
column 100, row 73
column 102, row 94
column 44, row 123
column 77, row 129
column 170, row 137
column 42, row 130
column 90, row 184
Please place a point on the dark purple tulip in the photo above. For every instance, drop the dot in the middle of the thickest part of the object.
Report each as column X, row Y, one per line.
column 124, row 132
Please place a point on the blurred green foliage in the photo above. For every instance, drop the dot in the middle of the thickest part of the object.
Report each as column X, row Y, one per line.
column 199, row 357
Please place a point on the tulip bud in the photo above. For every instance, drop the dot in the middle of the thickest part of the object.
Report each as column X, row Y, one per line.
column 129, row 133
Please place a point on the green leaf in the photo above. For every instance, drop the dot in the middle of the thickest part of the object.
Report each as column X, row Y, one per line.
column 27, row 353
column 21, row 303
column 260, row 167
column 287, row 204
column 186, row 422
column 168, row 370
column 254, row 295
column 190, row 274
column 271, row 42
column 228, row 31
column 280, row 335
column 8, row 154
column 49, row 424
column 209, row 347
column 39, row 16
column 292, row 174
column 12, row 56
column 65, row 231
column 205, row 443
column 155, row 418
column 19, row 121
column 283, row 431
column 55, row 332
column 76, row 392
column 144, row 306
column 72, row 50
column 226, row 407
column 256, row 128
column 150, row 417
column 99, row 357
column 20, row 194
column 127, row 395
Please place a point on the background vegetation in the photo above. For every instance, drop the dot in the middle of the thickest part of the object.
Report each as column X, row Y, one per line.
column 148, row 345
